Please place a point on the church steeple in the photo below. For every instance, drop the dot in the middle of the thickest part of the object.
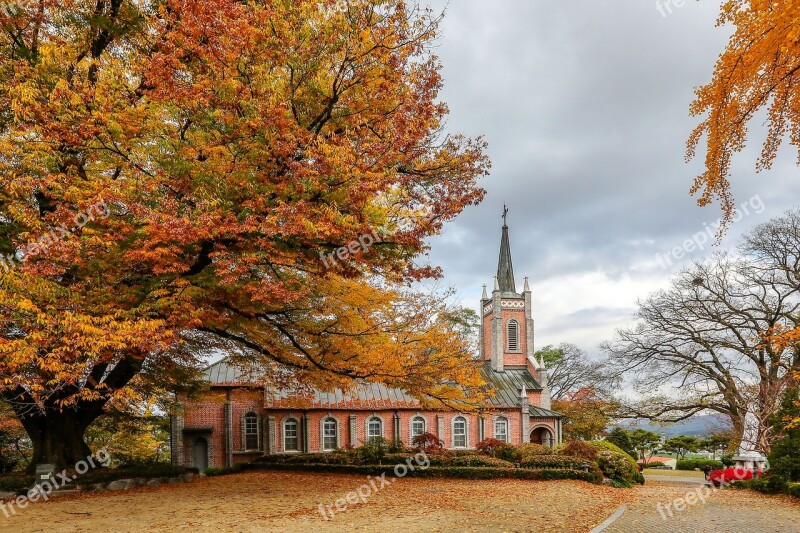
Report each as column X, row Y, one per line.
column 505, row 271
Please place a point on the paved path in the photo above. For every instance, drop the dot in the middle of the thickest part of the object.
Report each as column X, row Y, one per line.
column 658, row 509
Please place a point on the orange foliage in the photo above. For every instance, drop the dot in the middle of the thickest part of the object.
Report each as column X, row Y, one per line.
column 235, row 143
column 586, row 414
column 758, row 69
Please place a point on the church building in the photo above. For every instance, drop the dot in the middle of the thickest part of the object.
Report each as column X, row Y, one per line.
column 238, row 419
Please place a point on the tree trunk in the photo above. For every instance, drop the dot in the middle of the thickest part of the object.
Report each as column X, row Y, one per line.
column 57, row 439
column 57, row 432
column 738, row 434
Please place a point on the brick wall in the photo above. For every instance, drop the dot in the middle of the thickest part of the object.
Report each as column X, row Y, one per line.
column 508, row 358
column 345, row 435
column 514, row 358
column 209, row 412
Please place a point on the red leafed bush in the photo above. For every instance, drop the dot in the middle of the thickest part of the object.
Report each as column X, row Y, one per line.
column 490, row 446
column 578, row 448
column 729, row 475
column 428, row 442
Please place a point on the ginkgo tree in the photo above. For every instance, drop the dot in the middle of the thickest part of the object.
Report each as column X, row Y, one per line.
column 235, row 144
column 758, row 70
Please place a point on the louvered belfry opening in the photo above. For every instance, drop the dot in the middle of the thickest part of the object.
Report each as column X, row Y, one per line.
column 512, row 335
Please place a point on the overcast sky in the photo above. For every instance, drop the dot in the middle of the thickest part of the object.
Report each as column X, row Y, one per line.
column 585, row 104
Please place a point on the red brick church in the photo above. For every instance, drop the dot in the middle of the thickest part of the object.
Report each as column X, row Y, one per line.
column 237, row 419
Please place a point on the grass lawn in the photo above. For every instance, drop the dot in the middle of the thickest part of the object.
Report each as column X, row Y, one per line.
column 289, row 501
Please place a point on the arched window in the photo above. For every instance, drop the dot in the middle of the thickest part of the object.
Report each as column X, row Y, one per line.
column 330, row 434
column 459, row 432
column 417, row 427
column 291, row 435
column 251, row 432
column 501, row 429
column 512, row 335
column 374, row 428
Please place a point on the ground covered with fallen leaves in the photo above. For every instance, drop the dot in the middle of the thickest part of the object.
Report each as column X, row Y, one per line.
column 706, row 510
column 289, row 501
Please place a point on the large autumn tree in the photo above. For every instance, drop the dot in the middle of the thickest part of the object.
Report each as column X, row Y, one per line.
column 758, row 70
column 234, row 145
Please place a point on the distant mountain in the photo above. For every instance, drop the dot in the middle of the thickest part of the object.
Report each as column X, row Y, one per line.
column 696, row 426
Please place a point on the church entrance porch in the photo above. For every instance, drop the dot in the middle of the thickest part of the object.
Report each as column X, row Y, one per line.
column 542, row 435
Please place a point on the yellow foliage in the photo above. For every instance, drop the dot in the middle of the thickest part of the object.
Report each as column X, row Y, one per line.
column 235, row 144
column 759, row 69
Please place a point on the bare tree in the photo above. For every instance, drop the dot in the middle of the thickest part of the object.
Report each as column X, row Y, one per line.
column 705, row 344
column 570, row 369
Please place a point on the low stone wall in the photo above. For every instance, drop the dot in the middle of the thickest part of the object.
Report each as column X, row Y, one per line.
column 116, row 485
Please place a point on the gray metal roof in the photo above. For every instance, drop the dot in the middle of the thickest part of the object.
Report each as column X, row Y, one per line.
column 544, row 413
column 224, row 373
column 506, row 384
column 364, row 396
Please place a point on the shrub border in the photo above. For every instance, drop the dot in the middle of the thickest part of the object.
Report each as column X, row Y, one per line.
column 462, row 472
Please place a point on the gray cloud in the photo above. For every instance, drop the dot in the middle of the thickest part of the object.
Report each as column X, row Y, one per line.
column 585, row 106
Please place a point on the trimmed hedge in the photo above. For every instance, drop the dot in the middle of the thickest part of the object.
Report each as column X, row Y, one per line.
column 554, row 461
column 444, row 458
column 224, row 471
column 528, row 449
column 397, row 458
column 479, row 460
column 768, row 484
column 17, row 482
column 691, row 464
column 334, row 458
column 577, row 448
column 464, row 472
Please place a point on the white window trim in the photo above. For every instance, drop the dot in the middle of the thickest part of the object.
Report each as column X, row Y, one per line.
column 453, row 432
column 244, row 431
column 411, row 426
column 366, row 427
column 322, row 433
column 283, row 434
column 505, row 419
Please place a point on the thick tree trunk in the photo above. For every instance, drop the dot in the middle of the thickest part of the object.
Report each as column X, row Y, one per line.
column 58, row 439
column 57, row 432
column 738, row 434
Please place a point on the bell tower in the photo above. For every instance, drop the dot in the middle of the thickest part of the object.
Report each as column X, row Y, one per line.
column 506, row 335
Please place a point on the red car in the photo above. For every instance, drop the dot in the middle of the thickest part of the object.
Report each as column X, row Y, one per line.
column 729, row 475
